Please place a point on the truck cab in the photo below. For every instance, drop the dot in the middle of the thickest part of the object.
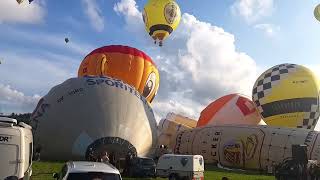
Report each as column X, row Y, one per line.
column 142, row 167
column 16, row 149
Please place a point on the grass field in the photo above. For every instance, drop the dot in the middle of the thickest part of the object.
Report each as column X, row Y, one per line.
column 44, row 171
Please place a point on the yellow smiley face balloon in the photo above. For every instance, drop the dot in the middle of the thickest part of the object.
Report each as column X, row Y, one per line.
column 161, row 18
column 128, row 64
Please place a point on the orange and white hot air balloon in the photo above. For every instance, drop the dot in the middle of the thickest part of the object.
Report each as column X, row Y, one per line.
column 230, row 109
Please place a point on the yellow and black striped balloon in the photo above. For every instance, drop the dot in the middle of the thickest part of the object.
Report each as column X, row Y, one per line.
column 287, row 95
column 161, row 18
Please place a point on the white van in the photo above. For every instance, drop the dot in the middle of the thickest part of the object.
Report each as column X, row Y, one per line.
column 186, row 167
column 15, row 149
column 87, row 170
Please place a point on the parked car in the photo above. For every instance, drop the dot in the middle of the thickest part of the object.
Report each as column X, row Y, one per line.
column 85, row 170
column 184, row 167
column 142, row 167
column 16, row 146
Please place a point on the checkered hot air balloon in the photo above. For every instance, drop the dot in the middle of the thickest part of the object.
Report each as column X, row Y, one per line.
column 287, row 95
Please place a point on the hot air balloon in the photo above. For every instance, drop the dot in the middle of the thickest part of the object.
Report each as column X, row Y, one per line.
column 19, row 1
column 66, row 40
column 125, row 63
column 230, row 109
column 316, row 12
column 169, row 127
column 161, row 18
column 287, row 95
column 91, row 115
column 246, row 147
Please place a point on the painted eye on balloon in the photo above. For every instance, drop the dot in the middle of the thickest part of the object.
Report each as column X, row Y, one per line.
column 150, row 85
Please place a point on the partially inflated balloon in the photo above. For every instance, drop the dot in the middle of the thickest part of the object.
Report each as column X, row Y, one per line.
column 287, row 95
column 93, row 114
column 230, row 109
column 169, row 127
column 161, row 17
column 316, row 12
column 125, row 63
column 246, row 147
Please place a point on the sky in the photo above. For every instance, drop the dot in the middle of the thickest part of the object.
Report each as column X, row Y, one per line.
column 220, row 47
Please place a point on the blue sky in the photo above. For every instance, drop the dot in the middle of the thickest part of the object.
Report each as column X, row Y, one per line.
column 220, row 47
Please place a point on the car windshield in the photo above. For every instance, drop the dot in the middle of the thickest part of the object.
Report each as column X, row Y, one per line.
column 148, row 162
column 93, row 176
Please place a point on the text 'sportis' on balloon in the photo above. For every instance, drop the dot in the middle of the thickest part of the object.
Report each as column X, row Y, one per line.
column 161, row 18
column 93, row 114
column 125, row 63
column 230, row 109
column 287, row 95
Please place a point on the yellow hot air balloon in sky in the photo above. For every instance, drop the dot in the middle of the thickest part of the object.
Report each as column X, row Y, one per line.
column 287, row 95
column 316, row 12
column 161, row 17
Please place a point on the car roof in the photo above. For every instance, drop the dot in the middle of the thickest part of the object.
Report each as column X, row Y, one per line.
column 144, row 158
column 181, row 155
column 88, row 166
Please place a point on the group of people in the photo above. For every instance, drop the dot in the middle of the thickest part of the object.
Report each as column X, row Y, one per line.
column 163, row 149
column 102, row 157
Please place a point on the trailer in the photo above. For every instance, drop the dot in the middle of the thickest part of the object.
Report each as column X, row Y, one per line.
column 16, row 149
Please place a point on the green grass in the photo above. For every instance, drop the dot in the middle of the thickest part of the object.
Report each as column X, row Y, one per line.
column 44, row 171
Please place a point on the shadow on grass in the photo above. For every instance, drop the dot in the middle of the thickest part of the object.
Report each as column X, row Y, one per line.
column 214, row 168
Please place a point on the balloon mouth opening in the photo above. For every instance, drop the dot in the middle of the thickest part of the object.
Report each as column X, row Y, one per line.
column 116, row 148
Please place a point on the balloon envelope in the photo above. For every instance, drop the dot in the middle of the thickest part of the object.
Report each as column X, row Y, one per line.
column 125, row 63
column 287, row 95
column 93, row 113
column 316, row 12
column 170, row 126
column 19, row 1
column 230, row 109
column 161, row 18
column 246, row 147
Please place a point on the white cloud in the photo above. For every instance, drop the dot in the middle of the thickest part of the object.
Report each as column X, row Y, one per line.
column 12, row 12
column 133, row 18
column 46, row 39
column 128, row 8
column 269, row 29
column 94, row 14
column 252, row 10
column 198, row 63
column 36, row 73
column 36, row 70
column 184, row 106
column 12, row 100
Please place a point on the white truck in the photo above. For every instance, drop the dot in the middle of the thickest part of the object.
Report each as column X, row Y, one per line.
column 16, row 146
column 180, row 167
